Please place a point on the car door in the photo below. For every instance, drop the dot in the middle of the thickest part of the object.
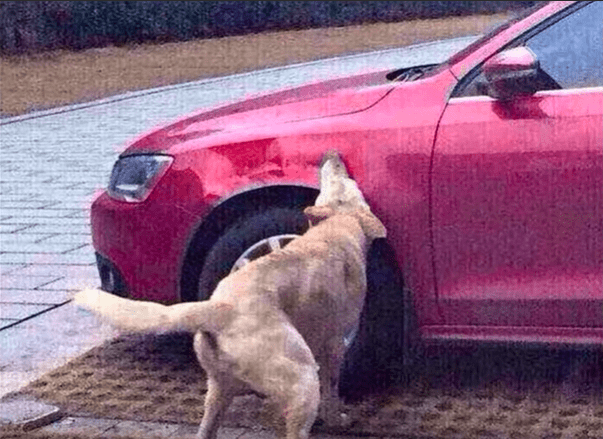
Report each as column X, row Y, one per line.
column 517, row 190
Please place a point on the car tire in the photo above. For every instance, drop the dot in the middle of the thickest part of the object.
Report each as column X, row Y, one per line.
column 375, row 359
column 243, row 235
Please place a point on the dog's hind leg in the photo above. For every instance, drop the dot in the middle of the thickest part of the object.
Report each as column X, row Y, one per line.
column 220, row 389
column 288, row 375
column 217, row 400
column 302, row 405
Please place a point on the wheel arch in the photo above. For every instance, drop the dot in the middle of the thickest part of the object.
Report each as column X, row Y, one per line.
column 226, row 213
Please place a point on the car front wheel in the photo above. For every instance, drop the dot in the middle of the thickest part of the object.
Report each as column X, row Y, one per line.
column 248, row 239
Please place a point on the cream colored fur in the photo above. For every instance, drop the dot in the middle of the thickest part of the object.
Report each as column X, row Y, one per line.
column 154, row 318
column 271, row 324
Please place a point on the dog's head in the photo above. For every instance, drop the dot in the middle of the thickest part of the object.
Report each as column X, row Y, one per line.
column 339, row 194
column 337, row 189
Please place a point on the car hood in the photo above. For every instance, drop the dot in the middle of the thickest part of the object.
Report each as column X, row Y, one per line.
column 314, row 101
column 351, row 92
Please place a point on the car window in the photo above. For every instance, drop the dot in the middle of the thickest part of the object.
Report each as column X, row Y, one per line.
column 570, row 52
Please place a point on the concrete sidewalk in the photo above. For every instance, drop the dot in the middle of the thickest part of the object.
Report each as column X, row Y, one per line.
column 93, row 427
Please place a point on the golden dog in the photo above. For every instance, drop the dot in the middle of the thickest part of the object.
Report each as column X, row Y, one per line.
column 271, row 324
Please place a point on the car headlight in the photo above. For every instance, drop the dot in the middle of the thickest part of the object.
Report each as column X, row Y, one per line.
column 133, row 177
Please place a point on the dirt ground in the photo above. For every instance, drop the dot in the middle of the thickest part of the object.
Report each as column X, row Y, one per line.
column 57, row 78
column 467, row 393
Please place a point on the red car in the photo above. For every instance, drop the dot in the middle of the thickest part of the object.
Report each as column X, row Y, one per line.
column 487, row 171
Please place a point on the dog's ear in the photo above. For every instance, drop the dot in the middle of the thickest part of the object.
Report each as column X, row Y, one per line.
column 318, row 213
column 372, row 227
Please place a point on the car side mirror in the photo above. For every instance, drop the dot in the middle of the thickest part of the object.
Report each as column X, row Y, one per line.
column 511, row 73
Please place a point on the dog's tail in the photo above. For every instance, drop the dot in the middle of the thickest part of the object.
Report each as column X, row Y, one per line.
column 154, row 318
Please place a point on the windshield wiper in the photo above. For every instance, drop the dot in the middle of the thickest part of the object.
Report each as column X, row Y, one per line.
column 410, row 73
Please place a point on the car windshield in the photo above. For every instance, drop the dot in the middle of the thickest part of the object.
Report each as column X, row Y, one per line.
column 518, row 16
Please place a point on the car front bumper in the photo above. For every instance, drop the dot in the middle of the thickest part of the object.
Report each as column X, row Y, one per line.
column 141, row 246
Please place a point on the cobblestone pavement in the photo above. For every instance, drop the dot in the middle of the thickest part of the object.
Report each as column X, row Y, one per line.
column 53, row 163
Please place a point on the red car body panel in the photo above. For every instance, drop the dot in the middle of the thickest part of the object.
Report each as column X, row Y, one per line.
column 494, row 211
column 517, row 225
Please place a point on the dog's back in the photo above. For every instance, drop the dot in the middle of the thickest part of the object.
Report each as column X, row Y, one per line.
column 318, row 280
